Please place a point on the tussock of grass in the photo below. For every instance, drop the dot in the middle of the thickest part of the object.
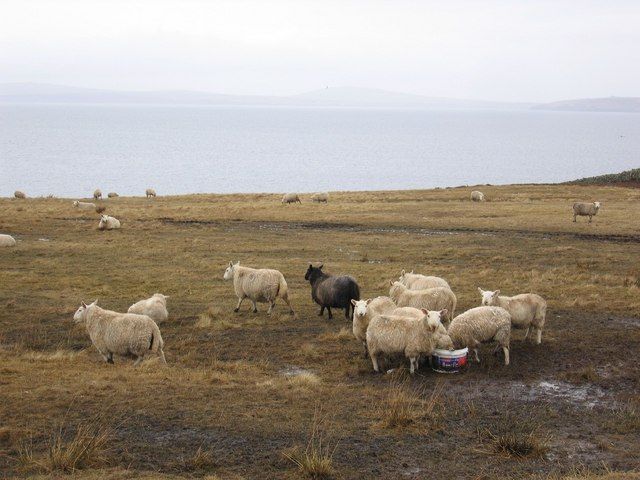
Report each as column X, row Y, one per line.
column 316, row 460
column 344, row 335
column 202, row 459
column 305, row 379
column 517, row 444
column 583, row 375
column 407, row 406
column 625, row 419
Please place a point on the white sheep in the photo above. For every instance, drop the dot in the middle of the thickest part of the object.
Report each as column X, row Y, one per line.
column 108, row 223
column 154, row 307
column 97, row 194
column 120, row 333
column 416, row 281
column 585, row 210
column 364, row 311
column 258, row 285
column 477, row 196
column 7, row 240
column 84, row 205
column 19, row 194
column 413, row 337
column 527, row 310
column 291, row 198
column 482, row 324
column 150, row 192
column 438, row 298
column 320, row 197
column 112, row 195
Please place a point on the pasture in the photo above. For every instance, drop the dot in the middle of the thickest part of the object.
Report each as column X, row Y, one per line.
column 252, row 396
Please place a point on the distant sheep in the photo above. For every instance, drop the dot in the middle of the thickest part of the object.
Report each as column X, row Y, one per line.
column 438, row 298
column 100, row 208
column 84, row 205
column 527, row 310
column 97, row 194
column 320, row 197
column 150, row 192
column 258, row 285
column 477, row 196
column 19, row 194
column 112, row 195
column 479, row 325
column 332, row 291
column 395, row 334
column 108, row 223
column 7, row 240
column 291, row 198
column 154, row 307
column 416, row 281
column 585, row 210
column 120, row 333
column 364, row 311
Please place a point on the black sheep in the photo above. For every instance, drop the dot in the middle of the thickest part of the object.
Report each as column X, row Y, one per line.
column 332, row 291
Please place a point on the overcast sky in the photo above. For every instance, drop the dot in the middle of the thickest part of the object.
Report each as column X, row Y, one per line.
column 489, row 49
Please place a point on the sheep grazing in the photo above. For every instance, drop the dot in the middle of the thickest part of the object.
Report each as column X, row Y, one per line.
column 112, row 195
column 527, row 310
column 120, row 333
column 585, row 210
column 100, row 208
column 364, row 311
column 332, row 291
column 416, row 281
column 320, row 197
column 438, row 298
column 482, row 324
column 291, row 198
column 150, row 192
column 84, row 205
column 395, row 334
column 108, row 223
column 97, row 194
column 154, row 307
column 258, row 285
column 477, row 196
column 19, row 194
column 7, row 240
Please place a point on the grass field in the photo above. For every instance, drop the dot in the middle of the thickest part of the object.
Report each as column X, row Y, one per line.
column 249, row 396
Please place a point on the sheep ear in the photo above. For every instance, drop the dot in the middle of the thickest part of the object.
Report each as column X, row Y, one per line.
column 84, row 304
column 95, row 302
column 310, row 266
column 320, row 267
column 480, row 290
column 353, row 302
column 391, row 282
column 496, row 293
column 425, row 311
column 368, row 301
column 443, row 313
column 231, row 264
column 402, row 273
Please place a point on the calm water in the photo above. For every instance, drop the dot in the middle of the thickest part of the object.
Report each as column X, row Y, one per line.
column 71, row 150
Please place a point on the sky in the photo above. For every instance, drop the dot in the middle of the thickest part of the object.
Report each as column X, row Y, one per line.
column 534, row 51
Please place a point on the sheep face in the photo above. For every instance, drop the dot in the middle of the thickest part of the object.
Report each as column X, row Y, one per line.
column 434, row 321
column 489, row 298
column 360, row 307
column 597, row 205
column 228, row 273
column 76, row 203
column 81, row 313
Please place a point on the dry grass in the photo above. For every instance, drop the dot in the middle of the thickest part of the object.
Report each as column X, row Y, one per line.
column 516, row 441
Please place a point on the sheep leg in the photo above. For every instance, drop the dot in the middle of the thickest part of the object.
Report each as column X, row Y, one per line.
column 526, row 334
column 366, row 350
column 255, row 306
column 273, row 304
column 330, row 314
column 506, row 355
column 346, row 313
column 162, row 357
column 412, row 364
column 138, row 361
column 589, row 218
column 321, row 310
column 374, row 361
column 539, row 336
column 574, row 218
column 286, row 300
column 109, row 358
column 475, row 351
column 237, row 309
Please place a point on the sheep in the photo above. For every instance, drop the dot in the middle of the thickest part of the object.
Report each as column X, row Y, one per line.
column 320, row 197
column 332, row 290
column 120, row 333
column 482, row 324
column 150, row 192
column 477, row 196
column 97, row 194
column 7, row 240
column 585, row 210
column 394, row 334
column 84, row 205
column 416, row 281
column 108, row 223
column 154, row 307
column 258, row 285
column 112, row 195
column 291, row 198
column 437, row 298
column 19, row 194
column 364, row 311
column 527, row 310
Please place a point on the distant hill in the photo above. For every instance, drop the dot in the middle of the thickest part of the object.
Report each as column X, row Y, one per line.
column 630, row 178
column 609, row 104
column 31, row 93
